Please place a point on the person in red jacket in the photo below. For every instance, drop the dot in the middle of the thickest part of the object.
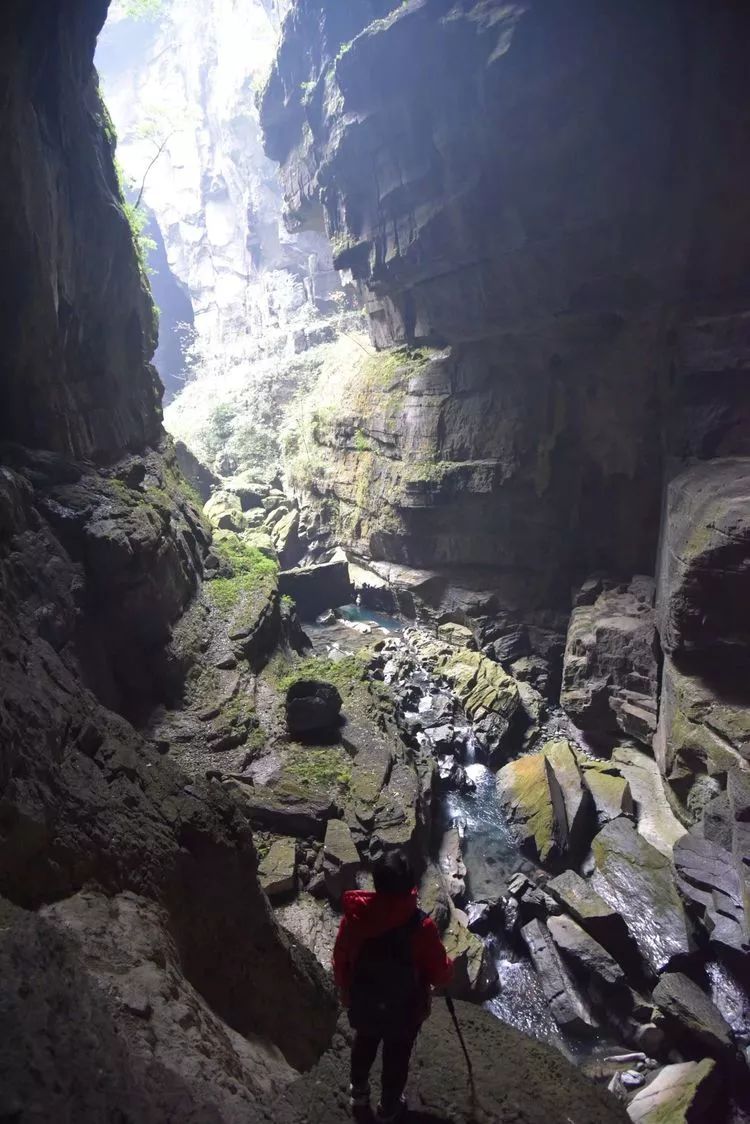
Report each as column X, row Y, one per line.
column 387, row 958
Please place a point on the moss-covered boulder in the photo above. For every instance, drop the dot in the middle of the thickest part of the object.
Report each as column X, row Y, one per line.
column 609, row 790
column 277, row 869
column 523, row 792
column 224, row 512
column 684, row 1093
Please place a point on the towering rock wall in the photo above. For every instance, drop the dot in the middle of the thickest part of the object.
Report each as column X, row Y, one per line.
column 76, row 317
column 187, row 78
column 97, row 563
column 551, row 197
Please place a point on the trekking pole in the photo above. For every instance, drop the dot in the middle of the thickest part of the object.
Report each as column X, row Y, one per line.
column 451, row 1007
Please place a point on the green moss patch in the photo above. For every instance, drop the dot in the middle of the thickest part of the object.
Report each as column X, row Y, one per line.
column 325, row 768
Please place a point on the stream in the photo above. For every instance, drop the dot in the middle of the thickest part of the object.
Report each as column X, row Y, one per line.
column 490, row 853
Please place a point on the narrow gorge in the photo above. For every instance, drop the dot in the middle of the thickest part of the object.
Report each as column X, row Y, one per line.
column 374, row 479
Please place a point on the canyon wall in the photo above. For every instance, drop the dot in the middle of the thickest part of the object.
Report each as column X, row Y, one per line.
column 181, row 88
column 548, row 202
column 101, row 551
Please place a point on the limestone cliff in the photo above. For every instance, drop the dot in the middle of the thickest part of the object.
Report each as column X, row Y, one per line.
column 550, row 196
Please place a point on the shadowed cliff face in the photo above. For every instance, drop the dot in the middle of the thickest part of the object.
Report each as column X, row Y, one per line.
column 76, row 317
column 554, row 196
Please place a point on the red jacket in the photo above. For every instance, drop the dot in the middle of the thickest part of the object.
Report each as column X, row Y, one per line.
column 368, row 915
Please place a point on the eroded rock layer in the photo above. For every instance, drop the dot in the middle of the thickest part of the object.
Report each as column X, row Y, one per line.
column 546, row 196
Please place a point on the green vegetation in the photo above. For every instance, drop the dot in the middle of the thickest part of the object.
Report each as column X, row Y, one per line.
column 360, row 442
column 143, row 9
column 321, row 767
column 348, row 674
column 252, row 572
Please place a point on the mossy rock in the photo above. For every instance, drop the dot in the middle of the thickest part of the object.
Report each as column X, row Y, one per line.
column 524, row 794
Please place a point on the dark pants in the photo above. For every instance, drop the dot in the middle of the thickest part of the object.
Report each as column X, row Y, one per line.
column 396, row 1056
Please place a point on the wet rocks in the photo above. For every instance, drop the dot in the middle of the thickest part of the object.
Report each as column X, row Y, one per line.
column 583, row 952
column 451, row 863
column 610, row 670
column 277, row 869
column 691, row 1015
column 639, row 882
column 316, row 588
column 579, row 898
column 312, row 709
column 570, row 799
column 566, row 1004
column 679, row 1094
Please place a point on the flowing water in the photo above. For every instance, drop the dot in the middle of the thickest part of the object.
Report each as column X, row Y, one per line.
column 490, row 853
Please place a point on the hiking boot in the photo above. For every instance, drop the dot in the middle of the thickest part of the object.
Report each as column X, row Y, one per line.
column 359, row 1096
column 388, row 1116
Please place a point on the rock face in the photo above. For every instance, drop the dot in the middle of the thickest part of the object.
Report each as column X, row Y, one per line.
column 679, row 1094
column 101, row 552
column 566, row 1005
column 610, row 673
column 554, row 314
column 703, row 571
column 80, row 382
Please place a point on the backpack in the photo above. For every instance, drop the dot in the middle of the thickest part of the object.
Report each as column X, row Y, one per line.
column 385, row 991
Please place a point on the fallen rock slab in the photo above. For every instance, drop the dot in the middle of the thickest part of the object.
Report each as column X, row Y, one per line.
column 569, row 797
column 657, row 822
column 639, row 882
column 610, row 793
column 284, row 808
column 340, row 859
column 679, row 1094
column 692, row 1015
column 523, row 793
column 277, row 869
column 581, row 950
column 579, row 898
column 567, row 1006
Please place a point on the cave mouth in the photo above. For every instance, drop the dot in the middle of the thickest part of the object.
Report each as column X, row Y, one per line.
column 442, row 551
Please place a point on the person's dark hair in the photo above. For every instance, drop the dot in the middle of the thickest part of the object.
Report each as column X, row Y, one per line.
column 393, row 875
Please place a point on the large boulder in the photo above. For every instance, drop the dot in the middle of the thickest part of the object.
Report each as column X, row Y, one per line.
column 684, row 1093
column 691, row 1014
column 474, row 972
column 610, row 669
column 639, row 882
column 224, row 512
column 524, row 796
column 285, row 808
column 316, row 588
column 277, row 869
column 340, row 860
column 568, row 1008
column 703, row 598
column 570, row 799
column 609, row 790
column 312, row 709
column 585, row 954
